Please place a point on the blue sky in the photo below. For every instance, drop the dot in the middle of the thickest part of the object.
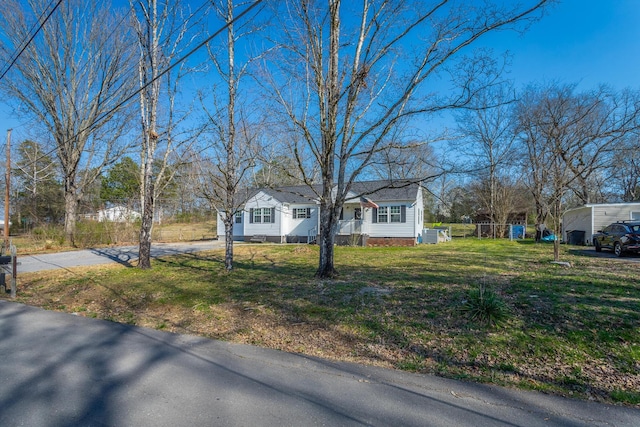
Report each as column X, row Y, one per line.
column 580, row 41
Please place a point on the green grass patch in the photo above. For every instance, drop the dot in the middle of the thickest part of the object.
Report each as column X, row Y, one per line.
column 572, row 331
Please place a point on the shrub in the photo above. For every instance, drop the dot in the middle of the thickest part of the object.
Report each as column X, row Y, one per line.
column 485, row 306
column 96, row 233
column 49, row 235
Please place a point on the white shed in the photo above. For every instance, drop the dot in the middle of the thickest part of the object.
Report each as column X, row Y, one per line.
column 593, row 217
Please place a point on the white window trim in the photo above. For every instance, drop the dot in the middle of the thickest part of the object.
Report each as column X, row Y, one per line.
column 257, row 215
column 383, row 211
column 396, row 215
column 300, row 213
column 266, row 213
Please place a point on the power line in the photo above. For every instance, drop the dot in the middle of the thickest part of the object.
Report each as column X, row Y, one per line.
column 160, row 75
column 13, row 61
column 175, row 64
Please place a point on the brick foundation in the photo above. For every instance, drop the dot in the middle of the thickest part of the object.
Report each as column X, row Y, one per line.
column 391, row 241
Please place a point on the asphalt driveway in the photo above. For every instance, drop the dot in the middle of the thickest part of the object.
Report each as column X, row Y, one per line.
column 59, row 370
column 591, row 251
column 119, row 254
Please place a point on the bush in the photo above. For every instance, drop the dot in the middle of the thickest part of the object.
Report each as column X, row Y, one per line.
column 49, row 235
column 485, row 306
column 96, row 233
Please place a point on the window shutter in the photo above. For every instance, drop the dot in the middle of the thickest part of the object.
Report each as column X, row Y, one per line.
column 341, row 214
column 251, row 216
column 308, row 212
column 374, row 215
column 403, row 213
column 273, row 215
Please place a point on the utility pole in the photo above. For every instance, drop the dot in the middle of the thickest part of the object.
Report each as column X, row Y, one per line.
column 7, row 178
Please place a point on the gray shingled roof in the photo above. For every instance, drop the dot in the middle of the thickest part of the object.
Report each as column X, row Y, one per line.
column 385, row 190
column 294, row 193
column 381, row 190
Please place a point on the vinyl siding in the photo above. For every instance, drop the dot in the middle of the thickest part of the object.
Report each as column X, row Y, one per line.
column 604, row 215
column 593, row 218
column 238, row 229
column 300, row 226
column 262, row 200
column 392, row 229
column 419, row 214
column 578, row 219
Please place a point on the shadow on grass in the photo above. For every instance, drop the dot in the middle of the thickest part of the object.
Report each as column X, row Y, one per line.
column 399, row 305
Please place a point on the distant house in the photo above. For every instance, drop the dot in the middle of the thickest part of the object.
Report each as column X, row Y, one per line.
column 593, row 217
column 375, row 213
column 117, row 213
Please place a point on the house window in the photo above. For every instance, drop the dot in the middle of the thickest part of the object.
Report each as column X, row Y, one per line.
column 390, row 214
column 238, row 217
column 383, row 214
column 257, row 215
column 394, row 214
column 266, row 215
column 301, row 213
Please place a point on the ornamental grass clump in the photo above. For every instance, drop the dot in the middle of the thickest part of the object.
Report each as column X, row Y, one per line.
column 486, row 307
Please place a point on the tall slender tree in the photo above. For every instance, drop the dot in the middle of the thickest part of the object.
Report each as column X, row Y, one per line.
column 161, row 27
column 232, row 154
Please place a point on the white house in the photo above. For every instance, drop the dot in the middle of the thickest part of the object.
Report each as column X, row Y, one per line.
column 375, row 213
column 118, row 214
column 593, row 217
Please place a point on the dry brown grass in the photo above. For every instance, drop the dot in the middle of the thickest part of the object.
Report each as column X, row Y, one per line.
column 571, row 331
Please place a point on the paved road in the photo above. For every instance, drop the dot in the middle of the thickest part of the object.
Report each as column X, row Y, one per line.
column 59, row 370
column 120, row 254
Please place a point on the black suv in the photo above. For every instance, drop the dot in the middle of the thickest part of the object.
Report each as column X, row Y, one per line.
column 621, row 237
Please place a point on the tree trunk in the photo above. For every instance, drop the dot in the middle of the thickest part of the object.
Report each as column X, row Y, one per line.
column 228, row 243
column 328, row 223
column 556, row 231
column 70, row 213
column 71, row 202
column 146, row 227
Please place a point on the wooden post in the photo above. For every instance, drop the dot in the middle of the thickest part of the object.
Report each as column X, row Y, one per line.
column 7, row 175
column 14, row 271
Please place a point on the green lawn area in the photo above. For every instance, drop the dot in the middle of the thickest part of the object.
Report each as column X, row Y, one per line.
column 573, row 330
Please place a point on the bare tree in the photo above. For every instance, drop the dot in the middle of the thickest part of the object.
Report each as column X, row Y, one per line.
column 72, row 79
column 505, row 194
column 161, row 27
column 345, row 85
column 599, row 122
column 39, row 189
column 568, row 139
column 624, row 171
column 233, row 139
column 489, row 140
column 410, row 160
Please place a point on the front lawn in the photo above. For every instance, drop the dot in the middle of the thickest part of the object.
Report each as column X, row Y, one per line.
column 567, row 330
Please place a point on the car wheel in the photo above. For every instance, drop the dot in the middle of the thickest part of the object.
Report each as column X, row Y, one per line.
column 617, row 249
column 596, row 243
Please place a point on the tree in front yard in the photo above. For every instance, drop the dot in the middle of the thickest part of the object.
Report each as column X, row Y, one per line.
column 346, row 76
